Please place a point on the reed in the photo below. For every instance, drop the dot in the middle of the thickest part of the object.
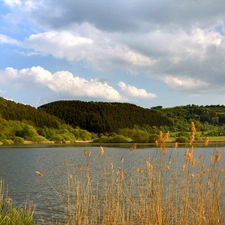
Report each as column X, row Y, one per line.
column 10, row 215
column 168, row 189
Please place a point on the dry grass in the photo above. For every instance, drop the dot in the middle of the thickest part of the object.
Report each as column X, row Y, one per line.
column 167, row 189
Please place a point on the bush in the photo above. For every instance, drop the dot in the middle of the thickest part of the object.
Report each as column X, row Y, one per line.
column 85, row 135
column 183, row 134
column 5, row 142
column 29, row 132
column 105, row 139
column 119, row 139
column 182, row 139
column 38, row 139
column 153, row 138
column 96, row 140
column 69, row 137
column 140, row 136
column 57, row 138
column 102, row 139
column 18, row 140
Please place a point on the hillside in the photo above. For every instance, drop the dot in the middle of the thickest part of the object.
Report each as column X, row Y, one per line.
column 212, row 114
column 68, row 121
column 101, row 117
column 10, row 110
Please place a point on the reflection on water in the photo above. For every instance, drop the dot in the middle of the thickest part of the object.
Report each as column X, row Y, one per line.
column 49, row 193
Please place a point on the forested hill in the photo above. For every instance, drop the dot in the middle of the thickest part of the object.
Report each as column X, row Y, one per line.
column 101, row 117
column 210, row 114
column 10, row 110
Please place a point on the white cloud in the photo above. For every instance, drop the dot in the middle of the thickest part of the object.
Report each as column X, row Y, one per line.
column 185, row 83
column 196, row 55
column 10, row 99
column 173, row 38
column 23, row 5
column 7, row 40
column 62, row 83
column 132, row 91
column 87, row 45
column 59, row 44
column 151, row 53
column 12, row 3
column 30, row 78
column 66, row 84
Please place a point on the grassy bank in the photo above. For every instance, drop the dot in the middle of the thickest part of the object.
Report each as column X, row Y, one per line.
column 10, row 215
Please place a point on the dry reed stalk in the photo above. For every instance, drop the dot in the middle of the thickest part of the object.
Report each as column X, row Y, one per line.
column 160, row 135
column 102, row 150
column 176, row 145
column 217, row 155
column 39, row 174
column 206, row 141
column 162, row 192
column 133, row 147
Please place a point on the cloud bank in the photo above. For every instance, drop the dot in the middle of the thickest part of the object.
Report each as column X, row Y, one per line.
column 65, row 85
column 178, row 43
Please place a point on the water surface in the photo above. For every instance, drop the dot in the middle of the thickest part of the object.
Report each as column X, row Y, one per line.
column 18, row 166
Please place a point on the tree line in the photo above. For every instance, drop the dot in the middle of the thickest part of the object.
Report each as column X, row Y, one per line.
column 64, row 121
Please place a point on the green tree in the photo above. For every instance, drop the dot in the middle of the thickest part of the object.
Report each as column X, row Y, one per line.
column 140, row 136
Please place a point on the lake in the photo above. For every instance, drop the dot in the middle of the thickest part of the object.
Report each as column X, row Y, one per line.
column 18, row 166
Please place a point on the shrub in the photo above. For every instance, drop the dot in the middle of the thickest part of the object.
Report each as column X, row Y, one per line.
column 119, row 139
column 85, row 135
column 29, row 132
column 5, row 142
column 58, row 138
column 18, row 140
column 38, row 139
column 105, row 139
column 69, row 137
column 182, row 139
column 140, row 136
column 153, row 138
column 96, row 140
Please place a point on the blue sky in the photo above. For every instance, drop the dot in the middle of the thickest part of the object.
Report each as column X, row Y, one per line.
column 145, row 52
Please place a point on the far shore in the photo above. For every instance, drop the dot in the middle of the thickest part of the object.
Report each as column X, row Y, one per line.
column 46, row 142
column 90, row 141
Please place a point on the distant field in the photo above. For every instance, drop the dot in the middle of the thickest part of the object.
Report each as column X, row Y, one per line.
column 173, row 136
column 217, row 138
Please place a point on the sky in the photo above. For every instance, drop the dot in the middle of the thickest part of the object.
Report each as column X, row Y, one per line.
column 144, row 52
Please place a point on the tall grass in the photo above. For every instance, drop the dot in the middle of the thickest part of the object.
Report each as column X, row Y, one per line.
column 10, row 215
column 169, row 188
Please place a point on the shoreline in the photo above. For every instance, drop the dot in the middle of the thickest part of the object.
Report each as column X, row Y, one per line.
column 11, row 143
column 46, row 142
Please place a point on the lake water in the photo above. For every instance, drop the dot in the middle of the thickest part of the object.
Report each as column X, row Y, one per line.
column 18, row 166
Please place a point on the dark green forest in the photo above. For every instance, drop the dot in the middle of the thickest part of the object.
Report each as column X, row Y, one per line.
column 101, row 117
column 10, row 110
column 19, row 122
